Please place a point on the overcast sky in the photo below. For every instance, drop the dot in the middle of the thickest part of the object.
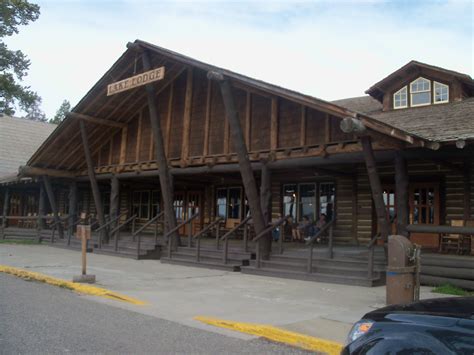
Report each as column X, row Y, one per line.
column 328, row 49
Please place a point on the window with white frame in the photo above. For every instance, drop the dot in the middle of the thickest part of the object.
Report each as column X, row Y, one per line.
column 441, row 93
column 420, row 92
column 400, row 99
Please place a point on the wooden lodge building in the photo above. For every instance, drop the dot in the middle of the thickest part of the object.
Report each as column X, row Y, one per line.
column 223, row 159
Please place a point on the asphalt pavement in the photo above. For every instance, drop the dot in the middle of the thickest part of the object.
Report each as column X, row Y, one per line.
column 38, row 318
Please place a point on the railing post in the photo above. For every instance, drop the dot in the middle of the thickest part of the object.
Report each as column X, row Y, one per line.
column 3, row 226
column 156, row 231
column 226, row 250
column 257, row 255
column 198, row 249
column 190, row 233
column 71, row 230
column 117, row 234
column 330, row 244
column 370, row 263
column 217, row 235
column 281, row 235
column 138, row 244
column 52, row 234
column 246, row 238
column 310, row 259
column 133, row 228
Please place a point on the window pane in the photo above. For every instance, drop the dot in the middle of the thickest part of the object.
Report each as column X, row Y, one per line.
column 289, row 201
column 234, row 203
column 400, row 98
column 420, row 84
column 441, row 92
column 221, row 203
column 307, row 201
column 420, row 98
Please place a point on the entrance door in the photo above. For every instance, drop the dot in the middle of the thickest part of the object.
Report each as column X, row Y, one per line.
column 424, row 210
column 186, row 204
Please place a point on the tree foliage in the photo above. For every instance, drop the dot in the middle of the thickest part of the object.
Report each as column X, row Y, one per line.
column 61, row 113
column 13, row 63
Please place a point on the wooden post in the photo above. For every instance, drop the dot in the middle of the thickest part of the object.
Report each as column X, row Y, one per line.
column 163, row 170
column 93, row 180
column 274, row 124
column 187, row 115
column 376, row 187
column 467, row 190
column 40, row 225
column 6, row 204
column 114, row 201
column 237, row 135
column 354, row 207
column 52, row 203
column 266, row 202
column 72, row 209
column 401, row 193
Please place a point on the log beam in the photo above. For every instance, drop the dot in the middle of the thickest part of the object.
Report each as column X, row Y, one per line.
column 30, row 171
column 401, row 192
column 96, row 120
column 52, row 202
column 246, row 172
column 376, row 187
column 163, row 171
column 93, row 180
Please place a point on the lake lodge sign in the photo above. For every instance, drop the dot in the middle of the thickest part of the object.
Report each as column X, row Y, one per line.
column 135, row 81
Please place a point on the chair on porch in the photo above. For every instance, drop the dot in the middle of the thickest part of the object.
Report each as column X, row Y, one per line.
column 457, row 243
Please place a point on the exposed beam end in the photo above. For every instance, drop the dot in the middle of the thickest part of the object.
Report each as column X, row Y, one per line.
column 214, row 75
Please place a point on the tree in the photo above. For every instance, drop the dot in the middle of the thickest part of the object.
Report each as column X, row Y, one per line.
column 35, row 113
column 14, row 64
column 61, row 113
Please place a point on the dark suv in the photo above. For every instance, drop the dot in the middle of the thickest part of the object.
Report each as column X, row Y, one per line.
column 433, row 326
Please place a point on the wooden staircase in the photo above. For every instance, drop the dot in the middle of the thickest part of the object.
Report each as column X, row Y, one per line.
column 209, row 257
column 343, row 268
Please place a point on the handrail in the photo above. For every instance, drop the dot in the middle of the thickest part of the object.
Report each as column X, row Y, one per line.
column 321, row 230
column 198, row 236
column 158, row 216
column 123, row 224
column 270, row 228
column 110, row 222
column 208, row 227
column 171, row 231
column 373, row 240
column 233, row 230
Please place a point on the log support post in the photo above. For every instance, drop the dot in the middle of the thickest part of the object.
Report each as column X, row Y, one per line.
column 163, row 169
column 40, row 224
column 376, row 187
column 467, row 190
column 52, row 202
column 114, row 201
column 93, row 181
column 246, row 171
column 72, row 209
column 266, row 202
column 6, row 205
column 401, row 192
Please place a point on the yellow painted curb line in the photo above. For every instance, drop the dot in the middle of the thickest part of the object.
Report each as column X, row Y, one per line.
column 277, row 334
column 81, row 288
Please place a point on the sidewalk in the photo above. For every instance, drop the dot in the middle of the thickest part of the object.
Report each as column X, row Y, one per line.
column 179, row 293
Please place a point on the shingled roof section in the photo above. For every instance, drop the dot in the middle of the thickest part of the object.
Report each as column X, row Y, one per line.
column 19, row 139
column 441, row 123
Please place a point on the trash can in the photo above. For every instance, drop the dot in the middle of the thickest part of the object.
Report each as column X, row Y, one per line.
column 400, row 270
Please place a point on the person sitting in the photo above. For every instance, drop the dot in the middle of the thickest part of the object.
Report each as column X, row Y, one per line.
column 317, row 227
column 301, row 229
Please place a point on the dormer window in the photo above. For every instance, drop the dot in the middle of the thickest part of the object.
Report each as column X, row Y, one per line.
column 420, row 91
column 441, row 93
column 400, row 98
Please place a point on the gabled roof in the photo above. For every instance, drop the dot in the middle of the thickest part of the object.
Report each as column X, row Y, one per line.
column 19, row 139
column 378, row 89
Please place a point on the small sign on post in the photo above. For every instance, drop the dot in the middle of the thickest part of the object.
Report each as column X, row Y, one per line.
column 135, row 81
column 83, row 232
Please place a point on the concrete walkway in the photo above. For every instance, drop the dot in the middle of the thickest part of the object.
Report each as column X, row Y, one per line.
column 179, row 293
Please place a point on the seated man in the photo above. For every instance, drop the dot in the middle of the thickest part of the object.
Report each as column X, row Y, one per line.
column 317, row 227
column 302, row 229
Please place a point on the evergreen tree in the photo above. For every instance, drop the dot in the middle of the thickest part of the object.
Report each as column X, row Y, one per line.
column 13, row 63
column 61, row 113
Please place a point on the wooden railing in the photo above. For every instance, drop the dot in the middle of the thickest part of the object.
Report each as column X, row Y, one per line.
column 36, row 218
column 267, row 230
column 216, row 224
column 171, row 231
column 106, row 226
column 232, row 232
column 116, row 230
column 370, row 256
column 139, row 230
column 310, row 242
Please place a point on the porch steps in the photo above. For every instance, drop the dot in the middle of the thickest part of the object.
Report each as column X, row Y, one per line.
column 209, row 258
column 153, row 253
column 340, row 271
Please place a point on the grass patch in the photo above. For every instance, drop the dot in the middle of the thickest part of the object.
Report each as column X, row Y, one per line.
column 19, row 241
column 449, row 289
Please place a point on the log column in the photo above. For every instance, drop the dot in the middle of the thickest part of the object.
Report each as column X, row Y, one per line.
column 114, row 200
column 163, row 169
column 41, row 207
column 375, row 186
column 266, row 202
column 72, row 209
column 6, row 205
column 401, row 193
column 246, row 172
column 52, row 203
column 93, row 180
